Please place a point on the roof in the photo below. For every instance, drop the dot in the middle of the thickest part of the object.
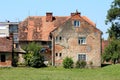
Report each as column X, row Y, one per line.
column 19, row 50
column 88, row 20
column 8, row 23
column 36, row 28
column 5, row 44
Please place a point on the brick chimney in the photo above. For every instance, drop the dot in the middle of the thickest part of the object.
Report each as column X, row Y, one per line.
column 49, row 17
column 76, row 13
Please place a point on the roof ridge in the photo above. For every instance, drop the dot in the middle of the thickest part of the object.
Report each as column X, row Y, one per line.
column 89, row 21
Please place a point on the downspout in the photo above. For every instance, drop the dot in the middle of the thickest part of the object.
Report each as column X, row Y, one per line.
column 53, row 50
column 11, row 36
column 101, row 47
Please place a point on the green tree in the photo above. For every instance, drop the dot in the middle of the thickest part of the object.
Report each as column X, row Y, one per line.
column 113, row 17
column 112, row 52
column 33, row 57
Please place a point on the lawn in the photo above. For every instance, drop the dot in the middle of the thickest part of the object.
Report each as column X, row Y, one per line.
column 111, row 72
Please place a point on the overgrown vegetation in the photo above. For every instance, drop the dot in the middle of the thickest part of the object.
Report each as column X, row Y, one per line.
column 33, row 57
column 68, row 62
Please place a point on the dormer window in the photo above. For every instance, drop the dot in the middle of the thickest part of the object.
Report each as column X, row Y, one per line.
column 76, row 23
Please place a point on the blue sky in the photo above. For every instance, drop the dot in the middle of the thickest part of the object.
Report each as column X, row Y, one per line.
column 96, row 10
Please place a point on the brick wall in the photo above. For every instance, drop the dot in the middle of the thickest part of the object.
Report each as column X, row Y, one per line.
column 68, row 45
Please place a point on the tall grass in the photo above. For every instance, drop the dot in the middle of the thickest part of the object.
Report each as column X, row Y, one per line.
column 111, row 72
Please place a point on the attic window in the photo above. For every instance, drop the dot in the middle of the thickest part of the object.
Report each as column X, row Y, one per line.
column 76, row 23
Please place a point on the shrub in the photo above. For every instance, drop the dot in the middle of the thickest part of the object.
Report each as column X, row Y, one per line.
column 15, row 61
column 33, row 58
column 80, row 64
column 68, row 62
column 28, row 57
column 37, row 61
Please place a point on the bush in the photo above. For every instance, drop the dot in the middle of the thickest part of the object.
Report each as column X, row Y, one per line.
column 80, row 64
column 68, row 62
column 15, row 61
column 33, row 58
column 37, row 61
column 28, row 58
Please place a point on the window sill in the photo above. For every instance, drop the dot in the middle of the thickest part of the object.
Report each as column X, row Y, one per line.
column 83, row 44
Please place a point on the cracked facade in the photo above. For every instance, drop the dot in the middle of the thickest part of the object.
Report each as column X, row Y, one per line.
column 74, row 36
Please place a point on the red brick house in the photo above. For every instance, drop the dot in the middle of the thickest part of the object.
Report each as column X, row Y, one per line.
column 37, row 29
column 74, row 36
column 79, row 39
column 5, row 51
column 104, row 45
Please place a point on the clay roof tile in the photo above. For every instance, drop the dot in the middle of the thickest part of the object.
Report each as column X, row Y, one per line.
column 5, row 44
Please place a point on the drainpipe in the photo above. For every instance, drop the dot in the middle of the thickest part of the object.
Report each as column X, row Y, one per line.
column 53, row 51
column 11, row 36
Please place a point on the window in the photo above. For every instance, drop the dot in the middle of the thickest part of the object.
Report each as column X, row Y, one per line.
column 2, row 28
column 60, row 54
column 60, row 38
column 77, row 23
column 44, row 43
column 56, row 54
column 3, row 35
column 15, row 37
column 17, row 45
column 56, row 38
column 82, row 57
column 82, row 40
column 13, row 28
column 3, row 58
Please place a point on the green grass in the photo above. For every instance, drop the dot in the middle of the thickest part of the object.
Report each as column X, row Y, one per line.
column 111, row 72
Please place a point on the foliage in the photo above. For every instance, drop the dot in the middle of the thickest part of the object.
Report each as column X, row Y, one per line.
column 68, row 62
column 113, row 17
column 28, row 58
column 37, row 61
column 15, row 61
column 33, row 57
column 80, row 64
column 112, row 51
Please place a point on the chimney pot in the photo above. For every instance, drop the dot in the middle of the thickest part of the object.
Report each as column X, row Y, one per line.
column 49, row 17
column 76, row 13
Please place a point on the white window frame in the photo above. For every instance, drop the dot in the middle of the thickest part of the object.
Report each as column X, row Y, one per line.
column 82, row 57
column 76, row 23
column 81, row 40
column 3, row 35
